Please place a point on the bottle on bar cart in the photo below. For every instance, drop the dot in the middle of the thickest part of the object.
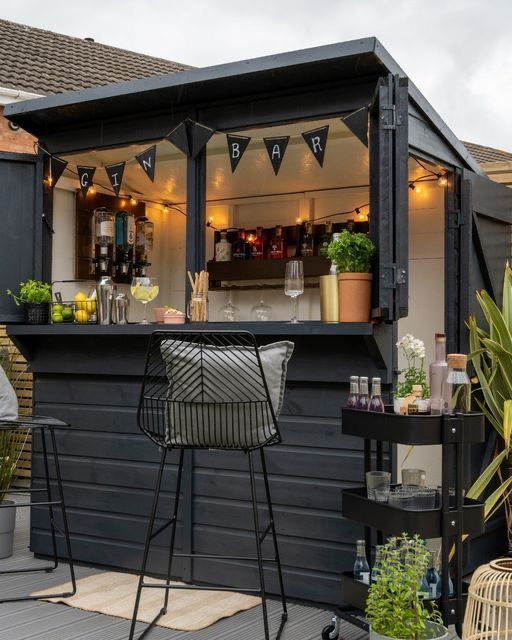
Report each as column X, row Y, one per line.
column 307, row 243
column 276, row 246
column 361, row 566
column 363, row 400
column 457, row 386
column 376, row 564
column 353, row 395
column 240, row 247
column 325, row 240
column 376, row 403
column 256, row 246
column 432, row 577
column 223, row 248
column 437, row 374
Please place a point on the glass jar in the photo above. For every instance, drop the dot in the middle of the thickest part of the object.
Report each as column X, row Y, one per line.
column 457, row 386
column 197, row 309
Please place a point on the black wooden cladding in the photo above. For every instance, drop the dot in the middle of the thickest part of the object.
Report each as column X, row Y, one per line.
column 109, row 468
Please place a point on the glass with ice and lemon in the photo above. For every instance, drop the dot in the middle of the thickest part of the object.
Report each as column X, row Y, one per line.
column 144, row 290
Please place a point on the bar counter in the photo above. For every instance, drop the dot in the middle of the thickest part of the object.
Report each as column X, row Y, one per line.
column 90, row 375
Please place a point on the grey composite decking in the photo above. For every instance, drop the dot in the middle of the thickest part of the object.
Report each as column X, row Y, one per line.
column 37, row 620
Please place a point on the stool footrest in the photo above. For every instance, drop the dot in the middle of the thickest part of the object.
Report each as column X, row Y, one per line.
column 191, row 587
column 201, row 556
column 46, row 503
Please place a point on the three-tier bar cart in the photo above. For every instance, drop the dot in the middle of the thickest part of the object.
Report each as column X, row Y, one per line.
column 455, row 517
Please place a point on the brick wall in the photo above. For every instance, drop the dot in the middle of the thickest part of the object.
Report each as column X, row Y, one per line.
column 15, row 141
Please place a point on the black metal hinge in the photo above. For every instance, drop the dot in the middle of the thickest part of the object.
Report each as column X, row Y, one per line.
column 393, row 120
column 393, row 276
column 454, row 218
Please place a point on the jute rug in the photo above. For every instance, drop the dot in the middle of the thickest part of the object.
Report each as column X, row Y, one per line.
column 113, row 594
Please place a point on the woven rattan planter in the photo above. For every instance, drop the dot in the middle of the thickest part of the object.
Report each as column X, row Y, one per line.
column 489, row 609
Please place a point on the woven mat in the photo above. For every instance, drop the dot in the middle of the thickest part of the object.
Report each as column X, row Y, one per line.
column 113, row 594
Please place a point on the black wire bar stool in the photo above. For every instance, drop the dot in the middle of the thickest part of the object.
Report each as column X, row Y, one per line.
column 46, row 427
column 207, row 390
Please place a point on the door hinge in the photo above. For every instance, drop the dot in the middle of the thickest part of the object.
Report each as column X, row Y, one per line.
column 393, row 276
column 391, row 121
column 454, row 219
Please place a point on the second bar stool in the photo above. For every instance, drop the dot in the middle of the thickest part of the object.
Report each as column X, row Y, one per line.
column 212, row 390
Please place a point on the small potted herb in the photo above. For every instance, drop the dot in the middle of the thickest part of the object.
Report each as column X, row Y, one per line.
column 413, row 350
column 395, row 609
column 352, row 254
column 35, row 296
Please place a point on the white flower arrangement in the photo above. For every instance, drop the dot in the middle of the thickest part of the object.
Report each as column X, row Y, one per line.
column 414, row 352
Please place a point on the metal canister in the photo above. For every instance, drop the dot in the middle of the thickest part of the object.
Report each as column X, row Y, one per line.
column 329, row 305
column 120, row 311
column 105, row 292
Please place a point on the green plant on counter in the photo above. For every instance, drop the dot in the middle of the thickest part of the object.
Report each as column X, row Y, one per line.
column 32, row 292
column 394, row 607
column 352, row 252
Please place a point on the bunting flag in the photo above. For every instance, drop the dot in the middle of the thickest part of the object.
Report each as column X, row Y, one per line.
column 276, row 148
column 236, row 149
column 179, row 138
column 190, row 137
column 85, row 175
column 57, row 166
column 200, row 134
column 316, row 139
column 115, row 175
column 147, row 160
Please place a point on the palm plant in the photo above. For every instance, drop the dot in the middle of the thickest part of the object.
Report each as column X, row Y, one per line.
column 491, row 356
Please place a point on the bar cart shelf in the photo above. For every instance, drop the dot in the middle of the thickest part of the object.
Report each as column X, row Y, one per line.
column 454, row 517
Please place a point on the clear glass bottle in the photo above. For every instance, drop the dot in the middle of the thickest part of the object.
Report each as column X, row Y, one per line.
column 361, row 566
column 437, row 374
column 457, row 385
column 353, row 395
column 363, row 400
column 223, row 248
column 451, row 590
column 325, row 240
column 240, row 247
column 376, row 403
column 307, row 245
column 432, row 578
column 376, row 564
column 276, row 246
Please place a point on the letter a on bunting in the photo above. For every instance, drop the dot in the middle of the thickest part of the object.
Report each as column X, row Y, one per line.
column 276, row 148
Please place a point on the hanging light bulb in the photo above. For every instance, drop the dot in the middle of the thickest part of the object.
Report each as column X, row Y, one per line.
column 298, row 220
column 92, row 189
column 49, row 180
column 412, row 186
column 165, row 209
column 133, row 201
column 123, row 203
column 442, row 180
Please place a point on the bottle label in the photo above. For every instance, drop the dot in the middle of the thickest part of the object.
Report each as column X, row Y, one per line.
column 223, row 251
column 365, row 577
column 130, row 231
column 107, row 228
column 432, row 589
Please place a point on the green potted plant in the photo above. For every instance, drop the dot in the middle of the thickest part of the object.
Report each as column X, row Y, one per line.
column 413, row 350
column 352, row 254
column 395, row 609
column 35, row 296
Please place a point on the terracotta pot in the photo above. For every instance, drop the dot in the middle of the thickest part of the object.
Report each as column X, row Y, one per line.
column 355, row 292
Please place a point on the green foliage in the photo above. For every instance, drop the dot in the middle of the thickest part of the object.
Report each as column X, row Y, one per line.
column 394, row 607
column 352, row 252
column 11, row 446
column 32, row 292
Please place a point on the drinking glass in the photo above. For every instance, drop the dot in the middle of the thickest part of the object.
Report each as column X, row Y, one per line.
column 414, row 477
column 294, row 285
column 144, row 290
column 229, row 312
column 377, row 480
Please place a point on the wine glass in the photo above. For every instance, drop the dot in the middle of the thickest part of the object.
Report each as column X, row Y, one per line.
column 261, row 312
column 229, row 312
column 294, row 285
column 144, row 290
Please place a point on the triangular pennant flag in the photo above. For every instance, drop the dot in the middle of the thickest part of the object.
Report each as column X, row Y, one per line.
column 200, row 136
column 57, row 166
column 179, row 137
column 316, row 139
column 357, row 122
column 147, row 160
column 276, row 148
column 115, row 175
column 85, row 175
column 236, row 149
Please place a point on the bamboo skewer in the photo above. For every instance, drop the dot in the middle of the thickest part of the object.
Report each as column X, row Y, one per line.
column 199, row 298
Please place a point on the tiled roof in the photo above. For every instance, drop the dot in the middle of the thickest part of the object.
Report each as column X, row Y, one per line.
column 485, row 154
column 44, row 62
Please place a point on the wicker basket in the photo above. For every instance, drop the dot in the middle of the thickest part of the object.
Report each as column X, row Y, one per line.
column 489, row 609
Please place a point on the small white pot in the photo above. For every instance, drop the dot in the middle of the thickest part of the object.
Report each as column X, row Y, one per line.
column 397, row 403
column 434, row 631
column 423, row 405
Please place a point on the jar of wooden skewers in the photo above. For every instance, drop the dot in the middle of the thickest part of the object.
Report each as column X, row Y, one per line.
column 197, row 310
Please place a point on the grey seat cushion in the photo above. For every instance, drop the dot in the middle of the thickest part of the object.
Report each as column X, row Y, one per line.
column 8, row 399
column 217, row 396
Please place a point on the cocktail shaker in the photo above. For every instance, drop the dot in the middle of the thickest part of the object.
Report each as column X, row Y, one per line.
column 105, row 292
column 120, row 310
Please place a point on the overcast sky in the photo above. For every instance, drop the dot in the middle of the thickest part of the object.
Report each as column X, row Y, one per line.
column 458, row 52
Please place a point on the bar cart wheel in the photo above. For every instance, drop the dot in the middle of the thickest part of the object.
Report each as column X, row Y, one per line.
column 332, row 631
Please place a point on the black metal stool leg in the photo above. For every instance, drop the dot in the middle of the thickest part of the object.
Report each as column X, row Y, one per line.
column 173, row 530
column 274, row 538
column 149, row 537
column 258, row 546
column 42, row 431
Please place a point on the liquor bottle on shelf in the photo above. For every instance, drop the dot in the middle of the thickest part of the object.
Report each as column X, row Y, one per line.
column 432, row 578
column 256, row 246
column 376, row 565
column 299, row 232
column 125, row 242
column 376, row 403
column 353, row 395
column 457, row 386
column 144, row 232
column 307, row 244
column 104, row 237
column 361, row 566
column 240, row 247
column 276, row 246
column 223, row 248
column 451, row 589
column 325, row 240
column 437, row 374
column 363, row 400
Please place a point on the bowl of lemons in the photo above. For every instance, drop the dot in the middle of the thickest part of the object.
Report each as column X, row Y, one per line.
column 81, row 310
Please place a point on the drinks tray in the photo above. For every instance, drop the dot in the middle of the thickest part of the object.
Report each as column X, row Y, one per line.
column 413, row 430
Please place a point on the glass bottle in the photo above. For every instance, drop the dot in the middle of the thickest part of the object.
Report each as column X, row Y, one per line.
column 276, row 246
column 240, row 247
column 223, row 248
column 325, row 240
column 256, row 246
column 125, row 241
column 376, row 564
column 363, row 400
column 376, row 403
column 437, row 373
column 457, row 386
column 451, row 590
column 104, row 240
column 307, row 241
column 353, row 395
column 361, row 566
column 432, row 578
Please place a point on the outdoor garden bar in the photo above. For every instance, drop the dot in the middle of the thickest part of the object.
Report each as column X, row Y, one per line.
column 235, row 170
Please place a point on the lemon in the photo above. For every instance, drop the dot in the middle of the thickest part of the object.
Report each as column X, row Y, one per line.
column 80, row 300
column 81, row 316
column 90, row 305
column 57, row 317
